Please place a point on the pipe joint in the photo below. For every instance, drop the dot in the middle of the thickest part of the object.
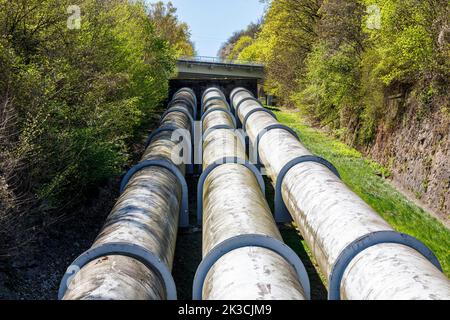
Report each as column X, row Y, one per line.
column 368, row 241
column 281, row 212
column 149, row 259
column 249, row 240
column 218, row 163
column 248, row 115
column 184, row 209
column 221, row 110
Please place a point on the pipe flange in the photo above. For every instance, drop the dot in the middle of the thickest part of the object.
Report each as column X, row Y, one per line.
column 154, row 133
column 218, row 163
column 270, row 128
column 214, row 128
column 248, row 115
column 178, row 109
column 146, row 257
column 166, row 164
column 210, row 101
column 249, row 240
column 184, row 101
column 172, row 128
column 236, row 109
column 368, row 241
column 235, row 92
column 212, row 89
column 204, row 115
column 281, row 212
column 218, row 127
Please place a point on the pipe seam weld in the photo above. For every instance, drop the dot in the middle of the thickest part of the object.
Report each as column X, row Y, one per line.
column 249, row 240
column 166, row 164
column 266, row 130
column 139, row 253
column 218, row 163
column 367, row 241
column 204, row 115
column 281, row 212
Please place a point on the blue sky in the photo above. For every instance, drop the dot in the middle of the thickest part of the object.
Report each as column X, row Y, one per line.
column 212, row 22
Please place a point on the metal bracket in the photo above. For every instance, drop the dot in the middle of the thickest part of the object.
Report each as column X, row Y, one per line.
column 263, row 132
column 247, row 116
column 146, row 257
column 368, row 241
column 219, row 109
column 249, row 240
column 218, row 163
column 281, row 213
column 166, row 164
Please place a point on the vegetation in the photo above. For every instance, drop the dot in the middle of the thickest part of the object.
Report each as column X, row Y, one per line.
column 340, row 59
column 364, row 177
column 76, row 85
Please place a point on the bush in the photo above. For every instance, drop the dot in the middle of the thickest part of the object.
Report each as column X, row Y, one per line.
column 80, row 95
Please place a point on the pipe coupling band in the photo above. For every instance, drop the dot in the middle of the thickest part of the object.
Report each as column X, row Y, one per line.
column 211, row 100
column 236, row 110
column 181, row 110
column 146, row 257
column 166, row 164
column 210, row 90
column 218, row 163
column 222, row 110
column 266, row 130
column 185, row 101
column 281, row 212
column 154, row 133
column 218, row 127
column 234, row 93
column 188, row 90
column 248, row 115
column 368, row 241
column 249, row 240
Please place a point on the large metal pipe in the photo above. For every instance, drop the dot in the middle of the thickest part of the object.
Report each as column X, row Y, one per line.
column 132, row 256
column 359, row 252
column 236, row 216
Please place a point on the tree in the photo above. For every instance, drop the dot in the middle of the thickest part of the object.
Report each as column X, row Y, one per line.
column 168, row 27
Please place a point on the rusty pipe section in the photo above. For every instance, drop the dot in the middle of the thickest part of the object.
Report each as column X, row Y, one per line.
column 358, row 251
column 132, row 257
column 234, row 210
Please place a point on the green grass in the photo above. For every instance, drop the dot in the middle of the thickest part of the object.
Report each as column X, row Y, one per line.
column 364, row 177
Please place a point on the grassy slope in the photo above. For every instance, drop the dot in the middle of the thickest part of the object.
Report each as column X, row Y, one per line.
column 362, row 176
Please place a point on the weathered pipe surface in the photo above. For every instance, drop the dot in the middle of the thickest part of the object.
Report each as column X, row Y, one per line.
column 330, row 217
column 233, row 205
column 146, row 214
